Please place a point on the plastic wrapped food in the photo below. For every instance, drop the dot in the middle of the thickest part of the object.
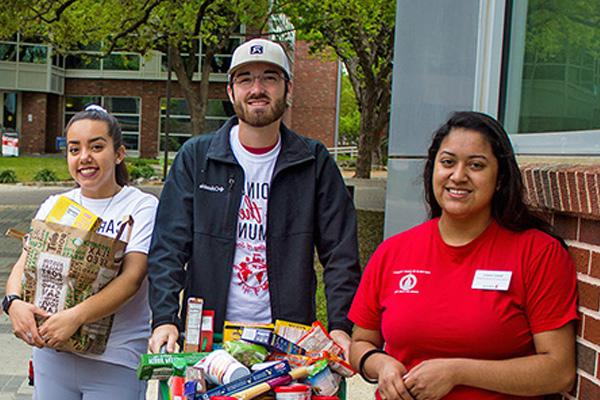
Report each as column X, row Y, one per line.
column 246, row 353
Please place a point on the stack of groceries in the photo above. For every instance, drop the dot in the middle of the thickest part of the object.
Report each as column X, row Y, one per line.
column 281, row 361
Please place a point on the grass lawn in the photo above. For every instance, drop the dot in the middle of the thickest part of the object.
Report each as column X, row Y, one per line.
column 26, row 167
column 370, row 235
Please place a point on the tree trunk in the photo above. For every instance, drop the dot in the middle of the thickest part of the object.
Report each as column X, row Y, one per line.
column 379, row 145
column 374, row 116
column 365, row 142
column 205, row 69
column 196, row 105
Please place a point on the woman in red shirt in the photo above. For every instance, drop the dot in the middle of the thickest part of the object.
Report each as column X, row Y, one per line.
column 479, row 302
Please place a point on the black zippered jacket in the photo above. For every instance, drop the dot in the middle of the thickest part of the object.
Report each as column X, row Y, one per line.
column 309, row 206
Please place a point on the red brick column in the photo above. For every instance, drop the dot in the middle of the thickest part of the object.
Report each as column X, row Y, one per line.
column 569, row 195
column 314, row 95
column 33, row 123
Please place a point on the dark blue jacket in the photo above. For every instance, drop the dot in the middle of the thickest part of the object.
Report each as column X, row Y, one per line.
column 309, row 206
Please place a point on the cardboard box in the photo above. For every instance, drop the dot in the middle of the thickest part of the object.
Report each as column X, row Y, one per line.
column 271, row 340
column 233, row 330
column 160, row 366
column 193, row 325
column 69, row 213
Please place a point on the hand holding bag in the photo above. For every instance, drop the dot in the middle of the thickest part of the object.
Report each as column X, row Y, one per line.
column 65, row 266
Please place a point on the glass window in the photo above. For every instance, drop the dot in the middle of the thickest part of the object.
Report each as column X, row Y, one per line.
column 178, row 107
column 180, row 127
column 121, row 62
column 164, row 63
column 232, row 44
column 127, row 112
column 220, row 64
column 177, row 124
column 58, row 60
column 124, row 105
column 82, row 61
column 553, row 68
column 128, row 122
column 125, row 109
column 131, row 141
column 8, row 52
column 10, row 111
column 74, row 104
column 33, row 54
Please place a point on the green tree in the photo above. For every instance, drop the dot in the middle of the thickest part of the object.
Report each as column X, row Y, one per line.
column 361, row 32
column 349, row 126
column 559, row 27
column 140, row 26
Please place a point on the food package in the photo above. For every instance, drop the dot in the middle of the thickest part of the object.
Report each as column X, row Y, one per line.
column 66, row 265
column 246, row 353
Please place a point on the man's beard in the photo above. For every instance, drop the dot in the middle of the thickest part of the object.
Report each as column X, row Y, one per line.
column 274, row 112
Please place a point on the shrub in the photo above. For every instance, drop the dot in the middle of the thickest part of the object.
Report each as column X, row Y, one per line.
column 45, row 175
column 8, row 176
column 141, row 171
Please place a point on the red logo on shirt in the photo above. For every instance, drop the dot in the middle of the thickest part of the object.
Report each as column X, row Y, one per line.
column 252, row 274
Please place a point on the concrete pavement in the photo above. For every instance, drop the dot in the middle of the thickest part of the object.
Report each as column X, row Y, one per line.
column 14, row 354
column 18, row 204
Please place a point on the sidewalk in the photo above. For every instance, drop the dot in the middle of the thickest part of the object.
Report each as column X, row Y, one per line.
column 15, row 356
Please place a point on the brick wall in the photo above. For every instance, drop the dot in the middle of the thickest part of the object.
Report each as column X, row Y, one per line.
column 33, row 133
column 569, row 195
column 150, row 93
column 314, row 95
column 312, row 112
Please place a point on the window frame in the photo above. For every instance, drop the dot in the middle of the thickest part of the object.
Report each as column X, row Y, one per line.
column 495, row 49
column 130, row 152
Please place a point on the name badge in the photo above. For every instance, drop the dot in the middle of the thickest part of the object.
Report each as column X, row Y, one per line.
column 491, row 280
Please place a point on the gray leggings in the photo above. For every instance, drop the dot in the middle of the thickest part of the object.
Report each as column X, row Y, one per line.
column 65, row 376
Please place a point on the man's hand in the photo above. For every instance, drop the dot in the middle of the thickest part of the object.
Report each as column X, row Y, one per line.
column 162, row 334
column 22, row 317
column 343, row 340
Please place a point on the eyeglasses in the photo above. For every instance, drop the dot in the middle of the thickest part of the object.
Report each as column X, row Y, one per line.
column 268, row 79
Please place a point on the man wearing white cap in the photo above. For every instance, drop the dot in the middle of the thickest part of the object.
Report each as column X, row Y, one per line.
column 245, row 207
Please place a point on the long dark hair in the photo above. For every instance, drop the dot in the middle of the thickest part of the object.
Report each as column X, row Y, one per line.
column 97, row 113
column 508, row 206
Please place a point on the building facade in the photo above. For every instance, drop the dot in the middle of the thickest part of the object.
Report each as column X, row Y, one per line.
column 40, row 91
column 535, row 65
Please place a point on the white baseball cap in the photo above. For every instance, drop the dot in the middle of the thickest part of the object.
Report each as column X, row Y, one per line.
column 260, row 50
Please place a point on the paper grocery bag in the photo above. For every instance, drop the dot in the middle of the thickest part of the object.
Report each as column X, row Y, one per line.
column 66, row 265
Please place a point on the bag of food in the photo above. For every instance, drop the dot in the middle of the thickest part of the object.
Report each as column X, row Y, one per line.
column 64, row 266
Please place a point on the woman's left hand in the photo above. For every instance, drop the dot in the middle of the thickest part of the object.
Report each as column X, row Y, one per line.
column 431, row 379
column 57, row 329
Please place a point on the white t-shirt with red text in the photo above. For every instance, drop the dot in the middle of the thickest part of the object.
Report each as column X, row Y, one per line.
column 249, row 298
